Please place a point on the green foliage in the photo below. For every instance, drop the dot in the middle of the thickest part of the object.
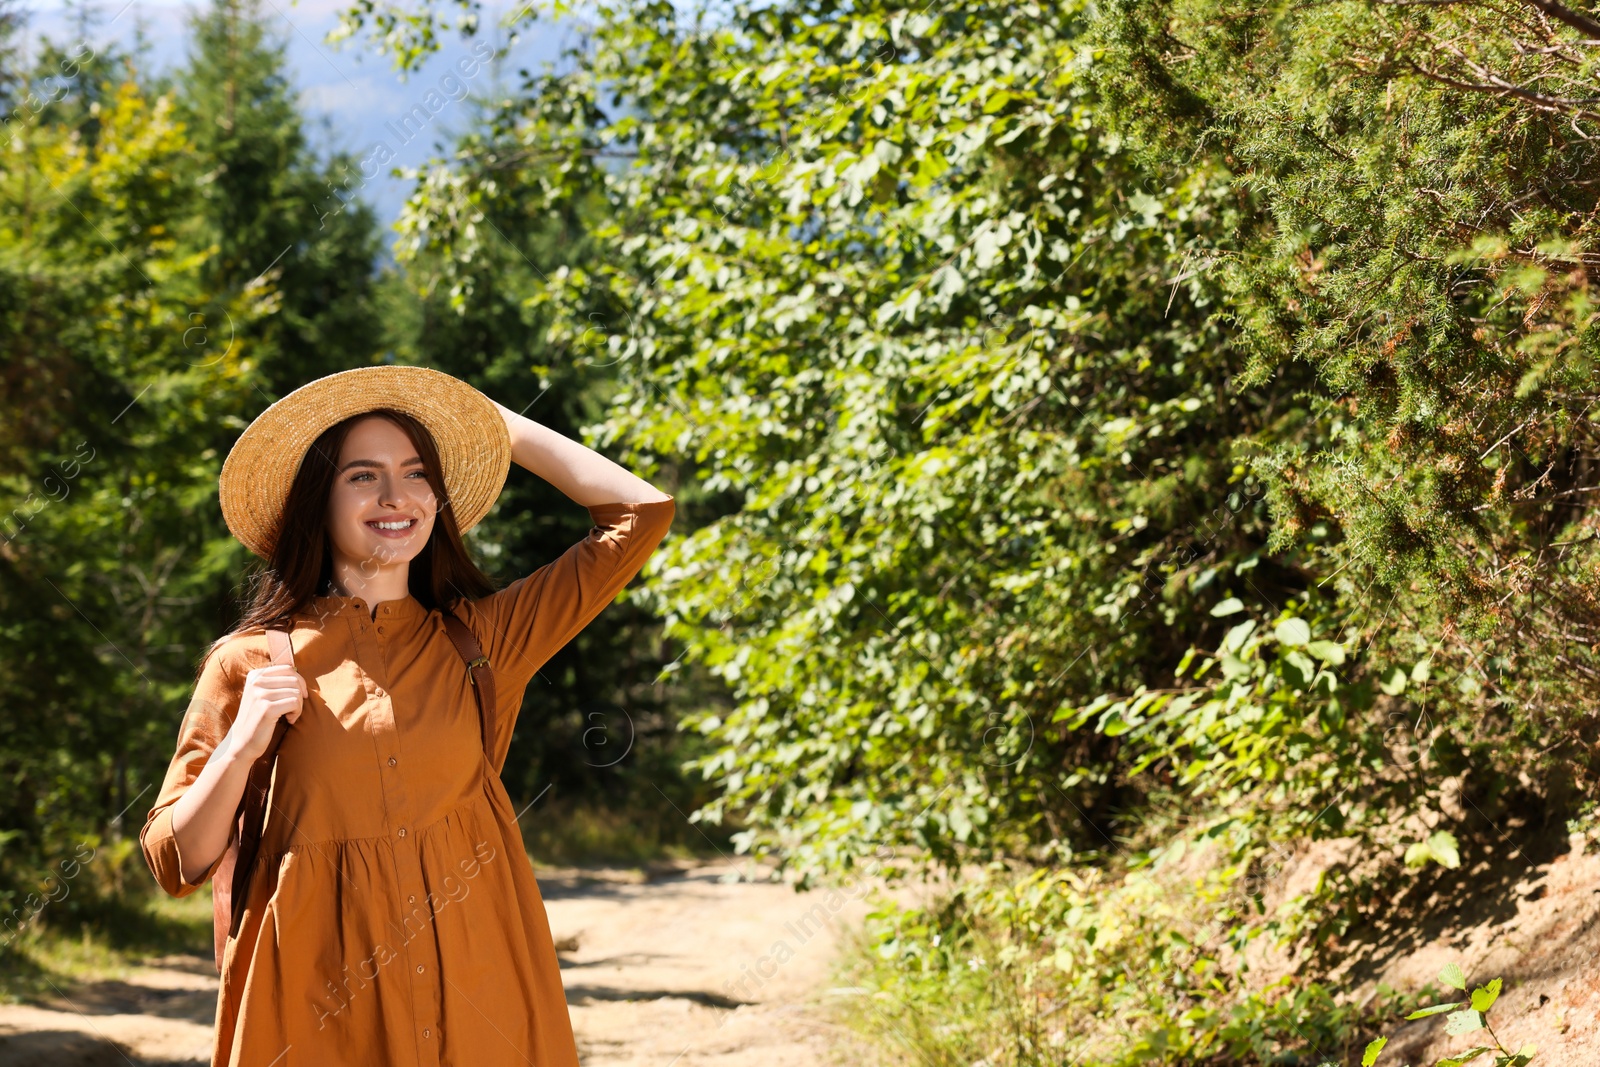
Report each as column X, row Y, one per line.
column 598, row 748
column 107, row 459
column 271, row 212
column 1017, row 354
column 945, row 503
column 1422, row 243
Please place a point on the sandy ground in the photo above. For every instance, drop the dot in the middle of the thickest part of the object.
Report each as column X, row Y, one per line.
column 695, row 971
column 1534, row 922
column 675, row 966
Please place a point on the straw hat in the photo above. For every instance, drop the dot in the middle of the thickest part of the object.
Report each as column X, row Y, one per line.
column 474, row 444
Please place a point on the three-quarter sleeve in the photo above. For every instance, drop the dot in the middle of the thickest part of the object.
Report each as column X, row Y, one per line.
column 527, row 622
column 211, row 712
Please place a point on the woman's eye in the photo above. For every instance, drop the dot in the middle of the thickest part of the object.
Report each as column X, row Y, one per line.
column 368, row 474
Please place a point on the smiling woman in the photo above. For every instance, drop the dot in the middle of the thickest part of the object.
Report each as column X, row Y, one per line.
column 387, row 780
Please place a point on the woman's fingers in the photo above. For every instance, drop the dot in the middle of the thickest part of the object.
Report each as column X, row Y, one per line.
column 293, row 689
column 280, row 689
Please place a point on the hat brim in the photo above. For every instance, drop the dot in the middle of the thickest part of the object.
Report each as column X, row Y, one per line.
column 469, row 431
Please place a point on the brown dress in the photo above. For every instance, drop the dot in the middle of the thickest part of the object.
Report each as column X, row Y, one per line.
column 392, row 917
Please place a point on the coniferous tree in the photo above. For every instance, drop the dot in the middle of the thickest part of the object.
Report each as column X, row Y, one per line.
column 271, row 208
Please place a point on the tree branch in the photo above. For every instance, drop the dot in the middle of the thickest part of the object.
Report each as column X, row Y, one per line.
column 1561, row 13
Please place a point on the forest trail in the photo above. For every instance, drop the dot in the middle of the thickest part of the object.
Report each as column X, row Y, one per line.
column 670, row 966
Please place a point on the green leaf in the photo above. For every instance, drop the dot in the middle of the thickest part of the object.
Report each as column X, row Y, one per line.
column 1394, row 682
column 1302, row 663
column 1445, row 849
column 1463, row 1022
column 1237, row 636
column 1518, row 1058
column 1293, row 631
column 1370, row 1056
column 1327, row 651
column 1483, row 997
column 1452, row 977
column 1463, row 1057
column 1437, row 1009
column 1440, row 848
column 1228, row 607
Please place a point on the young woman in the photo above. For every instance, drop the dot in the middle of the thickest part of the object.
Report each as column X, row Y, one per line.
column 391, row 916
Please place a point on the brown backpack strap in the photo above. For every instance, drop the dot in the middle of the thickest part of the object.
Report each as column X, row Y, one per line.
column 479, row 671
column 231, row 880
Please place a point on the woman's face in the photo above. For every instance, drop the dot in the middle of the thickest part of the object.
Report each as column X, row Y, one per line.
column 381, row 508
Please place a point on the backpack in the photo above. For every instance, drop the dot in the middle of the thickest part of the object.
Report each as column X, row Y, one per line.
column 231, row 880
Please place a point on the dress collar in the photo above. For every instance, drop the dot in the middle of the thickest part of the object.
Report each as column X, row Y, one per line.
column 406, row 607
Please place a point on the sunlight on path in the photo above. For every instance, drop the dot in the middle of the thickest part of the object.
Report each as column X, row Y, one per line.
column 690, row 971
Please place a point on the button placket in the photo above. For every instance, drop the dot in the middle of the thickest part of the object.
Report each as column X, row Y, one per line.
column 415, row 932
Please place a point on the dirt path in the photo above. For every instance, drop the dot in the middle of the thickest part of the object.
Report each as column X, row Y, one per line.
column 693, row 971
column 673, row 967
column 676, row 967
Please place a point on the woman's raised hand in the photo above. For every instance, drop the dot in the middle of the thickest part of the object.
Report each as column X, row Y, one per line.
column 270, row 693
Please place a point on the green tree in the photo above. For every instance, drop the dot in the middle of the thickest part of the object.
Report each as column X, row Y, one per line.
column 107, row 484
column 275, row 213
column 1422, row 240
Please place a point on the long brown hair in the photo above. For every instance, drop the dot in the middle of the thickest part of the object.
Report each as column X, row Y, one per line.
column 301, row 567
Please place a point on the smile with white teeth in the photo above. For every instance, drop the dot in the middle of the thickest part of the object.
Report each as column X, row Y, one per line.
column 396, row 524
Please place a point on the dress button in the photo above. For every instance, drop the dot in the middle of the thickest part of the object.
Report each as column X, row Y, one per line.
column 427, row 1033
column 402, row 831
column 412, row 899
column 380, row 629
column 419, row 968
column 391, row 761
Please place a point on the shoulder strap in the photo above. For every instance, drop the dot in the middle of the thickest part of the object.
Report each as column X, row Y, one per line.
column 253, row 805
column 282, row 650
column 479, row 671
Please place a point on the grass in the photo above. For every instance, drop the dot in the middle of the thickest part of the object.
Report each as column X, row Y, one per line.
column 578, row 833
column 103, row 940
column 938, row 1016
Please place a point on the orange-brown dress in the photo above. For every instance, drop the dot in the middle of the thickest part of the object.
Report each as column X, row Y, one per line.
column 392, row 917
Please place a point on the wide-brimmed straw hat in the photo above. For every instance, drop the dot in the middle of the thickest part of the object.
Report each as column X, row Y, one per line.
column 474, row 444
